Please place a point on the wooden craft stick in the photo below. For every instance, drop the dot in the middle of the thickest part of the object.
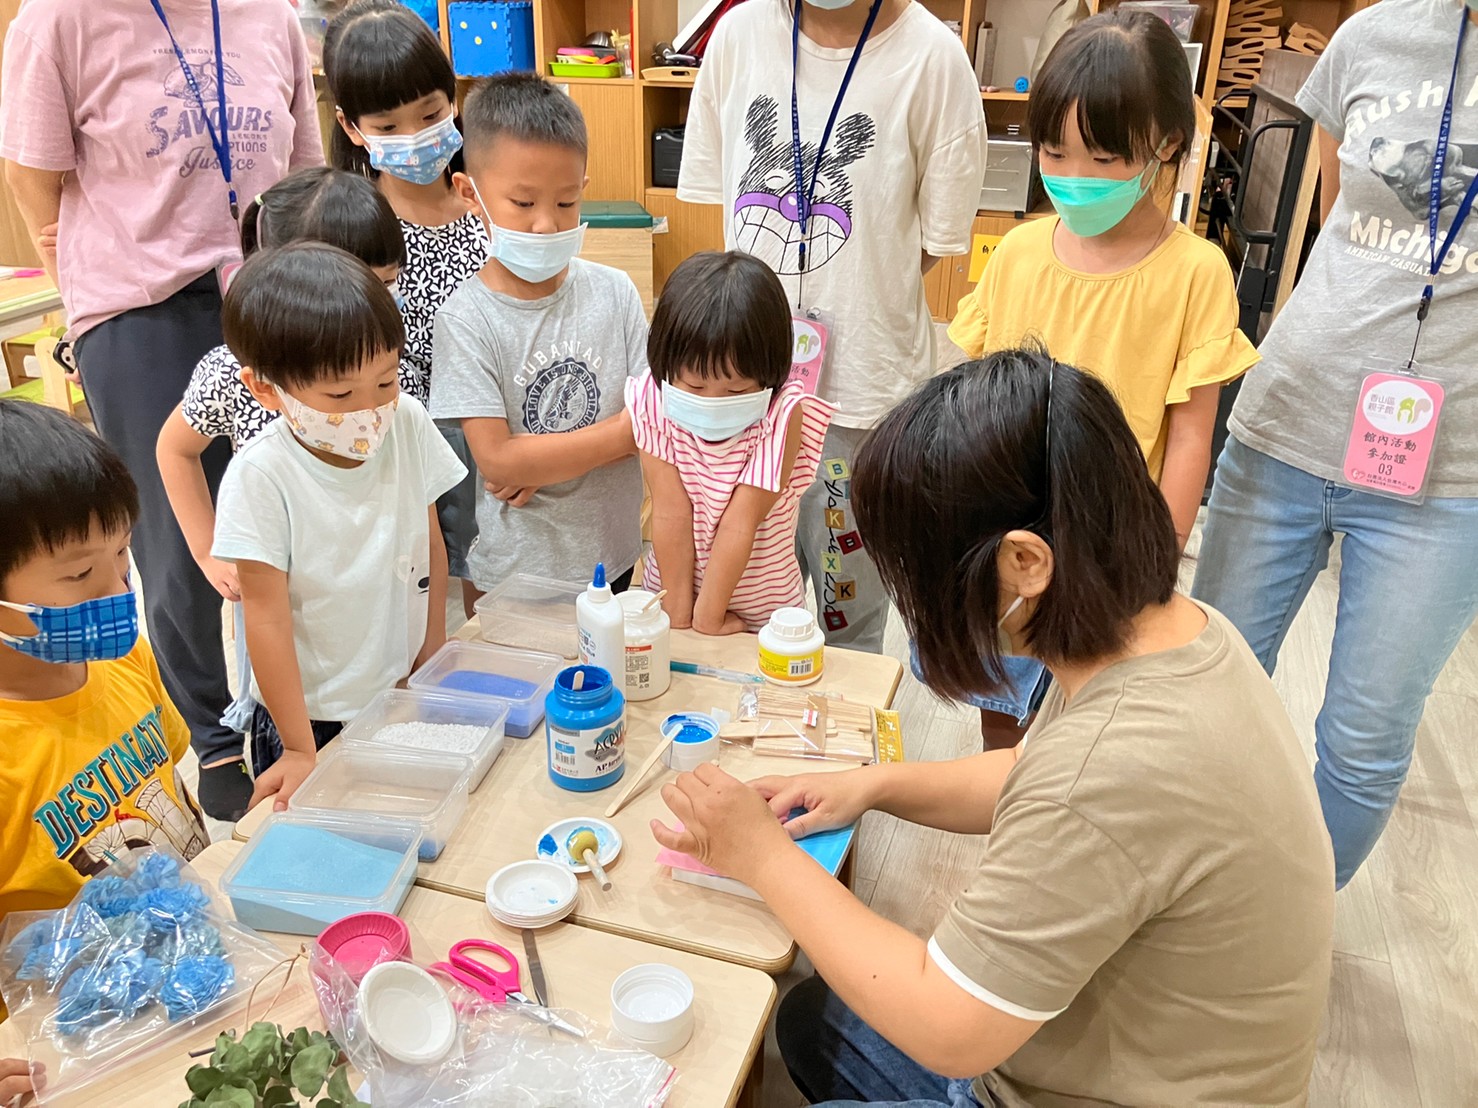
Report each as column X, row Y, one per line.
column 646, row 768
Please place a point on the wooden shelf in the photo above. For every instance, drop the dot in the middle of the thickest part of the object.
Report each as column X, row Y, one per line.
column 615, row 82
column 659, row 190
column 1005, row 96
column 674, row 83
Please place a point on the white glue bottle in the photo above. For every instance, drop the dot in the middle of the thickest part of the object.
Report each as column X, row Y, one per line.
column 648, row 645
column 602, row 625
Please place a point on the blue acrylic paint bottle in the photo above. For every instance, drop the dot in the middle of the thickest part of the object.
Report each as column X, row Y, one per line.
column 585, row 729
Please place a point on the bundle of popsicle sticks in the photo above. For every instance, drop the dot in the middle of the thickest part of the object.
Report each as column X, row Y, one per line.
column 792, row 723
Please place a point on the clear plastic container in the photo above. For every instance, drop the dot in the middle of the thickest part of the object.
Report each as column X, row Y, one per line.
column 522, row 678
column 532, row 613
column 302, row 871
column 430, row 789
column 1180, row 16
column 410, row 706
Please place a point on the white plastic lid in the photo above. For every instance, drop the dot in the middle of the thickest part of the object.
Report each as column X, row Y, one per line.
column 653, row 1004
column 792, row 623
column 407, row 1014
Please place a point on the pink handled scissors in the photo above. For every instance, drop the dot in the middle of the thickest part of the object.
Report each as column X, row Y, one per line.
column 494, row 985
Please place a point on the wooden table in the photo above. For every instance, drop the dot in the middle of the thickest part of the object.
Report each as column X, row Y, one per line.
column 24, row 297
column 517, row 801
column 732, row 1004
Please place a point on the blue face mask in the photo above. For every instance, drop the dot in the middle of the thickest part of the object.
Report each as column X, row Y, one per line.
column 1089, row 206
column 420, row 158
column 714, row 418
column 397, row 295
column 93, row 631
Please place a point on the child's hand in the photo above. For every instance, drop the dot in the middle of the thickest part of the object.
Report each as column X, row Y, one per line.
column 830, row 800
column 221, row 575
column 512, row 495
column 729, row 624
column 283, row 778
column 15, row 1079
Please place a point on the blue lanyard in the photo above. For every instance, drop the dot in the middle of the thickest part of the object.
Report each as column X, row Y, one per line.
column 220, row 141
column 805, row 193
column 1434, row 200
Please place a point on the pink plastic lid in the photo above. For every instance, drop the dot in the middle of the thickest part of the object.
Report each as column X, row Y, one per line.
column 365, row 939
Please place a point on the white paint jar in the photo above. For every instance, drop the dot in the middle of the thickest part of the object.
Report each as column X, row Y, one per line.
column 648, row 646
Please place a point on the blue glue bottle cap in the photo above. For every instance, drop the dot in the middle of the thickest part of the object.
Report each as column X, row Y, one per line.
column 599, row 580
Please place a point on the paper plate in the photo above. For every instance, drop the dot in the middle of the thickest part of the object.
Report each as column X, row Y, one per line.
column 531, row 894
column 605, row 834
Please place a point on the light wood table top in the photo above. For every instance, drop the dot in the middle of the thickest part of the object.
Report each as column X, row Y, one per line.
column 23, row 297
column 732, row 1004
column 515, row 803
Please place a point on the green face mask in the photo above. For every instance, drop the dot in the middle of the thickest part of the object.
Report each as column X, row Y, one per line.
column 1090, row 206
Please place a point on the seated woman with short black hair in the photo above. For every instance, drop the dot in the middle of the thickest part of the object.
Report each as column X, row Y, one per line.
column 1151, row 918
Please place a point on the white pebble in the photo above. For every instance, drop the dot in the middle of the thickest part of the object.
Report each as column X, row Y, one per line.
column 456, row 738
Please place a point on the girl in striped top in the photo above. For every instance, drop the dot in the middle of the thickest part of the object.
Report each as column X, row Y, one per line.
column 728, row 445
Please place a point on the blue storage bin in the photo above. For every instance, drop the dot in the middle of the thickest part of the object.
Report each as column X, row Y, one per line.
column 491, row 36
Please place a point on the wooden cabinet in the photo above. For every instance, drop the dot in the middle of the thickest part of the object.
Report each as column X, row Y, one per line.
column 949, row 282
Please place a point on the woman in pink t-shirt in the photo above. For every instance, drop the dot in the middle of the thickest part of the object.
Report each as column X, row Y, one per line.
column 135, row 132
column 728, row 443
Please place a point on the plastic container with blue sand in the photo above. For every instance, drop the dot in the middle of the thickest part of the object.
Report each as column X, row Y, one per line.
column 521, row 678
column 585, row 727
column 430, row 789
column 421, row 722
column 302, row 871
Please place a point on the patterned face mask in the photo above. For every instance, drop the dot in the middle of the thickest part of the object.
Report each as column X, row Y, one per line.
column 420, row 158
column 98, row 630
column 355, row 435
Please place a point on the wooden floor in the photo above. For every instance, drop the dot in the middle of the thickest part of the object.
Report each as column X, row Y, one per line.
column 1402, row 1022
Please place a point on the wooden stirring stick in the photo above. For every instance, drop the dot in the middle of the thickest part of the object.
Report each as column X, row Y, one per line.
column 646, row 768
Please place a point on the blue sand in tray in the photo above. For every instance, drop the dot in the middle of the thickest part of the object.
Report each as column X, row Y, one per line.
column 489, row 684
column 298, row 861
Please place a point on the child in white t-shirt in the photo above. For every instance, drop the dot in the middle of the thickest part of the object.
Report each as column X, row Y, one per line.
column 330, row 513
column 728, row 444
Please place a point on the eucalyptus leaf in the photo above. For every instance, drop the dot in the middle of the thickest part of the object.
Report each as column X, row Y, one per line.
column 299, row 1040
column 310, row 1068
column 264, row 1043
column 237, row 1061
column 204, row 1080
column 228, row 1096
column 279, row 1096
column 338, row 1086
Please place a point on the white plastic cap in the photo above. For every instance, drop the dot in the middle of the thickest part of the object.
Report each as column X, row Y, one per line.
column 795, row 624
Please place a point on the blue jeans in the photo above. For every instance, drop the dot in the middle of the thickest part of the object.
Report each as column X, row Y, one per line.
column 1408, row 590
column 837, row 1060
column 1027, row 682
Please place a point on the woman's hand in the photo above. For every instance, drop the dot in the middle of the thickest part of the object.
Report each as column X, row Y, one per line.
column 15, row 1079
column 831, row 800
column 725, row 823
column 222, row 577
column 46, row 245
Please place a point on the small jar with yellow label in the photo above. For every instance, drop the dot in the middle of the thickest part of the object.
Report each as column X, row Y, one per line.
column 792, row 648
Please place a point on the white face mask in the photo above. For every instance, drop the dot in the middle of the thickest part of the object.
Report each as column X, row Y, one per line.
column 533, row 258
column 830, row 5
column 714, row 418
column 1003, row 637
column 355, row 435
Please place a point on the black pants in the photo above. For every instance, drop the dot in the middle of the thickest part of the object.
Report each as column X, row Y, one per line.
column 266, row 740
column 134, row 369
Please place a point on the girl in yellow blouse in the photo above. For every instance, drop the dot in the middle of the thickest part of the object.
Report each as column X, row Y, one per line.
column 1113, row 285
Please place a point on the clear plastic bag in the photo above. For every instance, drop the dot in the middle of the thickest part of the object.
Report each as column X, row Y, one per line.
column 142, row 954
column 502, row 1058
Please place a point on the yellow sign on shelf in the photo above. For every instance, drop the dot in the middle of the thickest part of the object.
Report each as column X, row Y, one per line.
column 980, row 252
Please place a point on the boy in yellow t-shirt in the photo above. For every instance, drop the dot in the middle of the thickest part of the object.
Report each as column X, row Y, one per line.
column 89, row 741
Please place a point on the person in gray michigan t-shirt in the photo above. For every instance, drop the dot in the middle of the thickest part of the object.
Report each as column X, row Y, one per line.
column 547, row 366
column 1295, row 472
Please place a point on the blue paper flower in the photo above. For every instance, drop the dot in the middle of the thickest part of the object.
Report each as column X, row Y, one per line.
column 173, row 909
column 191, row 985
column 157, row 871
column 109, row 896
column 194, row 939
column 117, row 986
column 45, row 949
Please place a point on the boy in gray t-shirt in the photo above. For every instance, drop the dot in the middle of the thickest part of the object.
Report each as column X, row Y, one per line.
column 532, row 353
